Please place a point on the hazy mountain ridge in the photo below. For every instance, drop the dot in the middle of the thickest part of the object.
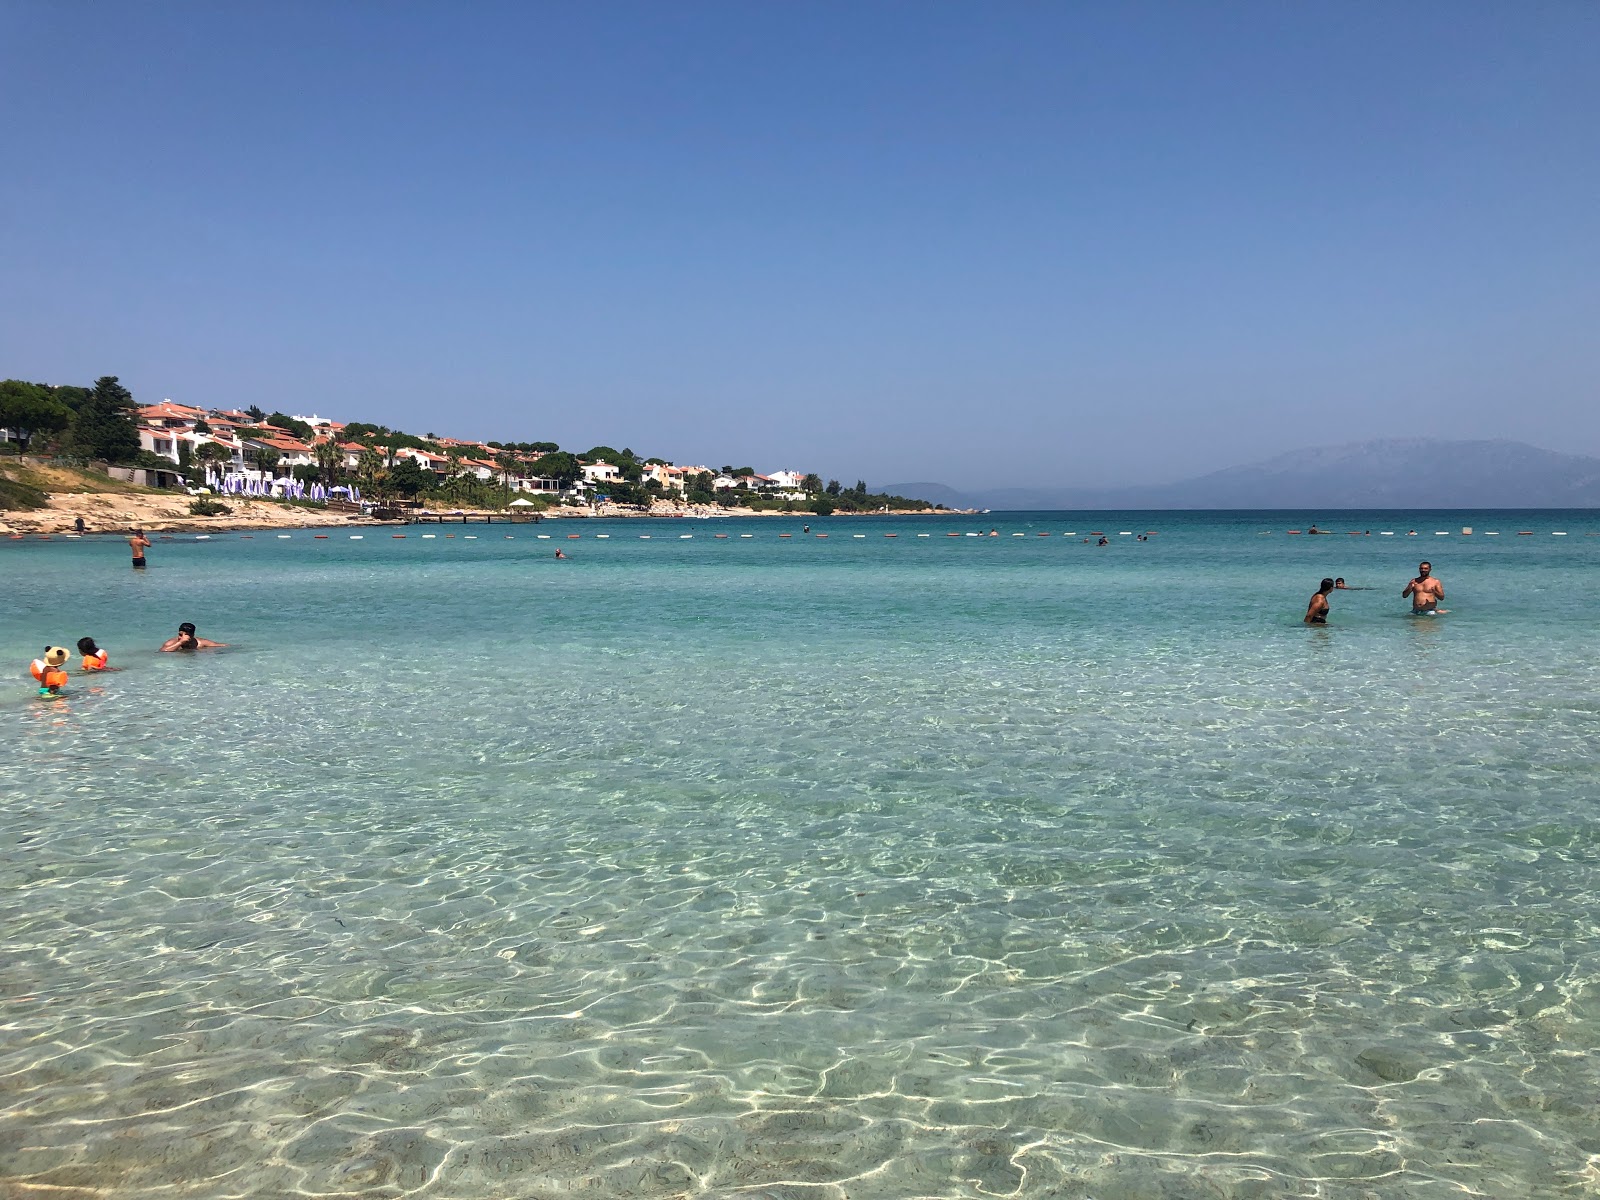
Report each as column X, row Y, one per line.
column 1388, row 473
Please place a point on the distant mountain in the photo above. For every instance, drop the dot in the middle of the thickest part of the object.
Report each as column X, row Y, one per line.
column 933, row 493
column 1394, row 473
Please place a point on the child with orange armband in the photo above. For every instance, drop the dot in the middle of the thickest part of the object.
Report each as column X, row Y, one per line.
column 94, row 658
column 48, row 670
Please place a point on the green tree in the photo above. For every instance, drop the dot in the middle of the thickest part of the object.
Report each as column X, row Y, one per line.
column 28, row 409
column 369, row 466
column 300, row 429
column 330, row 460
column 558, row 465
column 811, row 483
column 409, row 479
column 698, row 488
column 200, row 426
column 213, row 452
column 103, row 426
column 265, row 459
column 254, row 413
column 822, row 506
column 833, row 487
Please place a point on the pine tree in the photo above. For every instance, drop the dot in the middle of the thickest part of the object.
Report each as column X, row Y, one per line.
column 104, row 427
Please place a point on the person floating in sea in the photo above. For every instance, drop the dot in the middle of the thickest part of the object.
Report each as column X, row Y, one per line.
column 1425, row 592
column 1339, row 586
column 94, row 658
column 1317, row 610
column 1103, row 542
column 49, row 669
column 186, row 640
column 138, row 543
column 559, row 554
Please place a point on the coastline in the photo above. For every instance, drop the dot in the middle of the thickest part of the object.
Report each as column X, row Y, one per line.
column 119, row 512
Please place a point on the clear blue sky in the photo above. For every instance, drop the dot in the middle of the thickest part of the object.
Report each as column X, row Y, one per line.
column 1042, row 242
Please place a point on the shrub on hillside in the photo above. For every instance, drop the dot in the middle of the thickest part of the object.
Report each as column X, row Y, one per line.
column 17, row 496
column 208, row 508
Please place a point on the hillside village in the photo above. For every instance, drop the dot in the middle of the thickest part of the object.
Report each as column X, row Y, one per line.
column 255, row 449
column 247, row 452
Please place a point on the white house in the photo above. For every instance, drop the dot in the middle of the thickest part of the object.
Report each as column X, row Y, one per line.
column 790, row 480
column 600, row 471
column 159, row 441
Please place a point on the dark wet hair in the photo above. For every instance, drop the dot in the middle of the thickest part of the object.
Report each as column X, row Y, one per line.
column 87, row 646
column 1327, row 586
column 187, row 627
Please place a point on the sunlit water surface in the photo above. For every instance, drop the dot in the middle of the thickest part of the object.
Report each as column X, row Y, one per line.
column 857, row 867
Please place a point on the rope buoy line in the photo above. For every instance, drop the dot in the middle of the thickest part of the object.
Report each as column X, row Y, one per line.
column 1069, row 533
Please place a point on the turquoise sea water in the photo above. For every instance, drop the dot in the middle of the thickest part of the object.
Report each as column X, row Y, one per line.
column 807, row 868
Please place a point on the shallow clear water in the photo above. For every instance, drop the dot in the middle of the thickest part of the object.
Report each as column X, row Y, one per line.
column 846, row 867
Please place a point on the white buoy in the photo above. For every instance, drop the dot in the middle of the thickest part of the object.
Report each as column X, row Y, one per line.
column 356, row 537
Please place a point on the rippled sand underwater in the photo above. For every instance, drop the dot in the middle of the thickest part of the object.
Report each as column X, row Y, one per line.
column 807, row 869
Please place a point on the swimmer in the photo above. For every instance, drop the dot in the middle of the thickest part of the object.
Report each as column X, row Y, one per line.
column 94, row 658
column 559, row 554
column 1103, row 542
column 1339, row 586
column 138, row 543
column 186, row 640
column 1317, row 610
column 48, row 670
column 1425, row 591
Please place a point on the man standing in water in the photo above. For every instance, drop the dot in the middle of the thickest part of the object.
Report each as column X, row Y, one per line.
column 138, row 543
column 1317, row 610
column 1425, row 591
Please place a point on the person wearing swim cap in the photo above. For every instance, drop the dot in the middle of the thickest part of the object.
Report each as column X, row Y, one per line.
column 48, row 670
column 1425, row 591
column 1317, row 610
column 186, row 640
